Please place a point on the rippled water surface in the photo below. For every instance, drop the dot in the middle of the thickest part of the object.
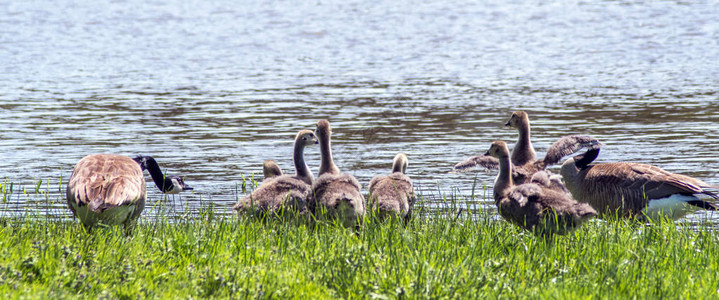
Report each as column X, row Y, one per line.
column 213, row 88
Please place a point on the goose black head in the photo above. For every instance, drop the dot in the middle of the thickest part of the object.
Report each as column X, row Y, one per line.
column 176, row 185
column 583, row 160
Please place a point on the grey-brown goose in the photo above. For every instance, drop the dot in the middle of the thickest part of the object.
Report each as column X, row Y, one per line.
column 526, row 166
column 393, row 195
column 628, row 189
column 534, row 207
column 534, row 170
column 288, row 193
column 110, row 189
column 271, row 169
column 523, row 151
column 524, row 158
column 336, row 195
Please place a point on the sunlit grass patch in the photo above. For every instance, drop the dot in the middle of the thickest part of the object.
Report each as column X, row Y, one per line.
column 453, row 248
column 473, row 256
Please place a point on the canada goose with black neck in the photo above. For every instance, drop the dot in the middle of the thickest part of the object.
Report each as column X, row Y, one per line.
column 168, row 184
column 534, row 207
column 283, row 192
column 393, row 195
column 631, row 190
column 110, row 189
column 336, row 195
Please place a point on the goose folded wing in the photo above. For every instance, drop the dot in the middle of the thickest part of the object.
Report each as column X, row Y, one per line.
column 657, row 183
column 125, row 190
column 107, row 185
column 637, row 181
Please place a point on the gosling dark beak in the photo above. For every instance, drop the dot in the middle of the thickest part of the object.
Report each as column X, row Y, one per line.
column 506, row 124
column 486, row 153
column 316, row 141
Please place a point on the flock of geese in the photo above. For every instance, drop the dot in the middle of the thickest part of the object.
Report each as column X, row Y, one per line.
column 110, row 189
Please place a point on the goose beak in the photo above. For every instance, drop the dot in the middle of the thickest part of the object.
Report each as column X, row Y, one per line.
column 486, row 153
column 506, row 124
column 187, row 188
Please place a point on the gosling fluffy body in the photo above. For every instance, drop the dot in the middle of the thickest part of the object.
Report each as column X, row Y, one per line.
column 282, row 193
column 393, row 196
column 533, row 207
column 336, row 195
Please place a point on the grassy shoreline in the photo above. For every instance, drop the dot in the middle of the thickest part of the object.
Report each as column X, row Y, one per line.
column 471, row 256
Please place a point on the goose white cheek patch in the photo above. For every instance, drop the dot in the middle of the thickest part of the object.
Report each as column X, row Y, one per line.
column 176, row 187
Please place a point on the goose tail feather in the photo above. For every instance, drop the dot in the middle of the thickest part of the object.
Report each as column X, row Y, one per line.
column 703, row 204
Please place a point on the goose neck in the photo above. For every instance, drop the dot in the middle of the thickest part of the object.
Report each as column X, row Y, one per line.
column 504, row 179
column 302, row 171
column 523, row 151
column 162, row 183
column 327, row 164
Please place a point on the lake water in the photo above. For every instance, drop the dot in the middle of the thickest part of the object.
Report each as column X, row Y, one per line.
column 213, row 88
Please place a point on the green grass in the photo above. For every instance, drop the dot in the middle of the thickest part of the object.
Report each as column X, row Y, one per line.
column 473, row 256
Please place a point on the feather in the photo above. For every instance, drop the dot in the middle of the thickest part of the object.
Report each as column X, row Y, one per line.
column 569, row 145
column 469, row 164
